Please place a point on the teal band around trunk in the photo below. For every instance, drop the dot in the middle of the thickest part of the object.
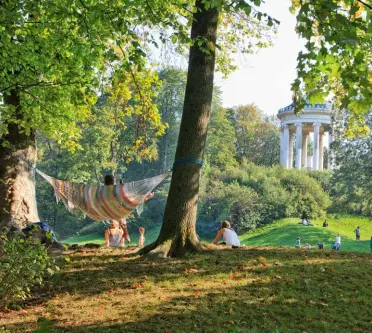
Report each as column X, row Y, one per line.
column 188, row 160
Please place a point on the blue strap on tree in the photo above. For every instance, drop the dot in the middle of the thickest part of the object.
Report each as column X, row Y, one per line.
column 188, row 160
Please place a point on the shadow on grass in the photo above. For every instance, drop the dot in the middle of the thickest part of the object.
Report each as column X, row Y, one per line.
column 244, row 290
column 295, row 298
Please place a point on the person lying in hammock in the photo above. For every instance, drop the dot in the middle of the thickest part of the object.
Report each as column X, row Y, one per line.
column 110, row 180
column 114, row 235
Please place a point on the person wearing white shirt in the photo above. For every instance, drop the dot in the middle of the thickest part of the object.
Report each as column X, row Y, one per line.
column 338, row 242
column 229, row 235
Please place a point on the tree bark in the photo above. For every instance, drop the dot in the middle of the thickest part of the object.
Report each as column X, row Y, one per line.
column 17, row 187
column 178, row 233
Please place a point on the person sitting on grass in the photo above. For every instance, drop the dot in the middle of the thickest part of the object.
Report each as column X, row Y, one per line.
column 307, row 246
column 114, row 235
column 228, row 234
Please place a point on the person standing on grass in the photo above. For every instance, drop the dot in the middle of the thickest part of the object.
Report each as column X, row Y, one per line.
column 357, row 234
column 141, row 240
column 338, row 242
column 298, row 243
column 370, row 244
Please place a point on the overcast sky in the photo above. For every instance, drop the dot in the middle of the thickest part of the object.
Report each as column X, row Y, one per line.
column 265, row 79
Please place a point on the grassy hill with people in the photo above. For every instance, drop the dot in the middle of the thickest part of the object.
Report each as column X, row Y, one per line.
column 285, row 232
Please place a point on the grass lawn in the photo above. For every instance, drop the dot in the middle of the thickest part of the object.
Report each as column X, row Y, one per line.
column 150, row 236
column 259, row 289
column 285, row 232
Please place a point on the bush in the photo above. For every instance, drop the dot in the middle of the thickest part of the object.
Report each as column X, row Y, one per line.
column 250, row 196
column 306, row 195
column 23, row 263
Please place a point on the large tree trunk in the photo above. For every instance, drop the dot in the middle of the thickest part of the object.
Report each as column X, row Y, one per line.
column 178, row 234
column 17, row 187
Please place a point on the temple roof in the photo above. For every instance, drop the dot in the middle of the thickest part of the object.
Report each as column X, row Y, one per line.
column 308, row 107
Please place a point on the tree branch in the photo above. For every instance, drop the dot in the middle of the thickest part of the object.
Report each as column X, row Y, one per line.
column 365, row 4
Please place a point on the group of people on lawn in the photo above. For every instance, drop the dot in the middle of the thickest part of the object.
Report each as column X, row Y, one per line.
column 335, row 245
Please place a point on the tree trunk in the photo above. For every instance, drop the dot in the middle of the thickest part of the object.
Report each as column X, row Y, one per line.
column 178, row 234
column 165, row 159
column 17, row 187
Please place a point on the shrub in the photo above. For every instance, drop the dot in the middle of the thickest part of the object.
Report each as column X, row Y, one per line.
column 239, row 204
column 250, row 196
column 23, row 263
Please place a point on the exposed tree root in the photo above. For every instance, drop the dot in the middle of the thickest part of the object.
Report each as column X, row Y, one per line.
column 172, row 247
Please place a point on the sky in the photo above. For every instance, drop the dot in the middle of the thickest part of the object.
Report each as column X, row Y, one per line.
column 265, row 78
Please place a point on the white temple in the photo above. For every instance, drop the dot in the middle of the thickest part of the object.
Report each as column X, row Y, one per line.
column 315, row 118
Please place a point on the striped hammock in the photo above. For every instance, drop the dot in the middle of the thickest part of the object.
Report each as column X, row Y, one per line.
column 101, row 203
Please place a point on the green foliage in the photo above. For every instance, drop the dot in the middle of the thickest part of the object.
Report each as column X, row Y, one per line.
column 57, row 55
column 221, row 141
column 351, row 183
column 306, row 195
column 257, row 136
column 23, row 264
column 239, row 204
column 338, row 55
column 251, row 196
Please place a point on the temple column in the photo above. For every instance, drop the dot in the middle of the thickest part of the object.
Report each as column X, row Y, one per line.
column 298, row 145
column 304, row 149
column 285, row 145
column 282, row 148
column 321, row 151
column 316, row 146
column 291, row 137
column 330, row 151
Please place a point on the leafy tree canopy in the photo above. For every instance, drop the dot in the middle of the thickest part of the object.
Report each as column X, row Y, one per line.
column 58, row 54
column 337, row 60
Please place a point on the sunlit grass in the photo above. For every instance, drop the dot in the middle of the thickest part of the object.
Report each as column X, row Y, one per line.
column 245, row 290
column 285, row 232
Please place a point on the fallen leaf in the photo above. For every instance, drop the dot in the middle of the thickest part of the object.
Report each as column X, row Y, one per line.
column 191, row 270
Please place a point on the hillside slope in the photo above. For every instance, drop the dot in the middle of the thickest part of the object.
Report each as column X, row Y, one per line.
column 285, row 232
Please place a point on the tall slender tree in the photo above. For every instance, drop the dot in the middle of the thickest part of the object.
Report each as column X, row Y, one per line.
column 178, row 233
